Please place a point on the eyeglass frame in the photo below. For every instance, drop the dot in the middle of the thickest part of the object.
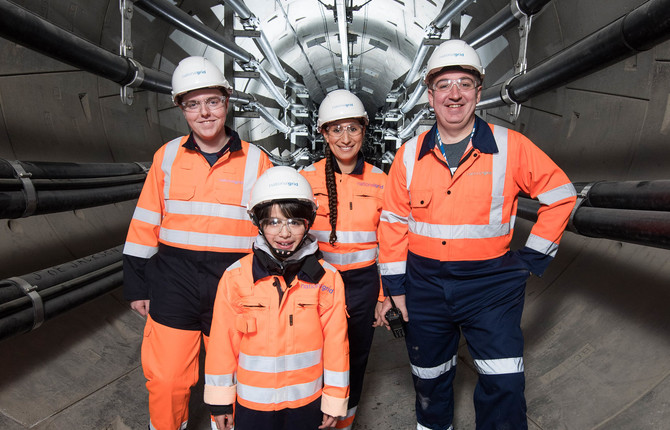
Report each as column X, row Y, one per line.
column 199, row 104
column 329, row 130
column 284, row 224
column 451, row 82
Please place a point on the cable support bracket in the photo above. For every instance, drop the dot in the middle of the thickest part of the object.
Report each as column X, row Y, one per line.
column 521, row 65
column 34, row 296
column 582, row 197
column 29, row 190
column 144, row 168
column 126, row 51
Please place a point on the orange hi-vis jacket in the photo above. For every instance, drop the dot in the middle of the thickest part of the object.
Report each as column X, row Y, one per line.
column 471, row 215
column 359, row 207
column 271, row 354
column 186, row 203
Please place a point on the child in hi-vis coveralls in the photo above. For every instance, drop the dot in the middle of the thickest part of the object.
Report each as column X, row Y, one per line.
column 278, row 353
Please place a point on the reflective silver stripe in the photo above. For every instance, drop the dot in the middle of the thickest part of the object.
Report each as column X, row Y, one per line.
column 351, row 412
column 350, row 257
column 409, row 158
column 289, row 393
column 498, row 171
column 390, row 217
column 542, row 245
column 310, row 168
column 326, row 265
column 145, row 215
column 171, row 150
column 283, row 363
column 346, row 236
column 376, row 169
column 464, row 231
column 395, row 268
column 557, row 194
column 137, row 250
column 336, row 379
column 434, row 372
column 499, row 366
column 420, row 427
column 220, row 380
column 180, row 207
column 206, row 239
column 235, row 265
column 250, row 173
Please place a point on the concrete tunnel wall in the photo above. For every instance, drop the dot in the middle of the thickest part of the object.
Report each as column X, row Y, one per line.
column 597, row 325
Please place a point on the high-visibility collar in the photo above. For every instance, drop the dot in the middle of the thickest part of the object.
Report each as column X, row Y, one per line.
column 234, row 142
column 482, row 139
column 307, row 258
column 358, row 168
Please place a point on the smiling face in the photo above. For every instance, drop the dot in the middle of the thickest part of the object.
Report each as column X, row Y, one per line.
column 344, row 142
column 208, row 125
column 454, row 109
column 289, row 236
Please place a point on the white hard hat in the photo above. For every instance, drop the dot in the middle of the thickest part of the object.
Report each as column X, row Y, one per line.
column 454, row 53
column 340, row 104
column 194, row 73
column 280, row 183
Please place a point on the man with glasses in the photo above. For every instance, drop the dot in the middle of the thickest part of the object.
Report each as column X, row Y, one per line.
column 190, row 224
column 447, row 222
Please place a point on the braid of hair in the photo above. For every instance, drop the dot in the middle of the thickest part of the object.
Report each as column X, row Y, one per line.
column 332, row 194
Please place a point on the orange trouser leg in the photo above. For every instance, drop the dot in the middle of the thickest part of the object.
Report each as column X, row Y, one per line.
column 170, row 364
column 347, row 421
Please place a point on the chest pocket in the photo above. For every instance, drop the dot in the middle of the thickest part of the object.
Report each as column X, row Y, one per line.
column 182, row 192
column 420, row 202
column 253, row 319
column 367, row 208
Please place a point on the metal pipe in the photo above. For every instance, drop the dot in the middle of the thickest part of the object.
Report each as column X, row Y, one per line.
column 274, row 121
column 240, row 8
column 414, row 98
column 505, row 19
column 409, row 129
column 27, row 29
column 435, row 30
column 262, row 42
column 271, row 56
column 267, row 81
column 199, row 31
column 639, row 30
column 194, row 28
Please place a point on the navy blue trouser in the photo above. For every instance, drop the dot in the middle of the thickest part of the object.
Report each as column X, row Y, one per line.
column 361, row 290
column 483, row 300
column 307, row 417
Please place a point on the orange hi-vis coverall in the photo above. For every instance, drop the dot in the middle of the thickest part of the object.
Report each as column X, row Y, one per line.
column 189, row 225
column 279, row 341
column 354, row 254
column 445, row 245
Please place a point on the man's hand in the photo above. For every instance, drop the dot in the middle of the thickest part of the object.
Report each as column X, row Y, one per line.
column 140, row 306
column 399, row 303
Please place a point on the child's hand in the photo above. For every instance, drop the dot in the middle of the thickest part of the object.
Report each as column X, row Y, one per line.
column 328, row 421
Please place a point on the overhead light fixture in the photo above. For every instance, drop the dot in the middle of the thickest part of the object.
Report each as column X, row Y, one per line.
column 341, row 10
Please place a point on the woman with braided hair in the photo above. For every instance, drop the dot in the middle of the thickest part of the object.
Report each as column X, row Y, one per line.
column 349, row 192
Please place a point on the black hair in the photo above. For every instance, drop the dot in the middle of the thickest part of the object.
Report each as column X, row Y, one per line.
column 288, row 208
